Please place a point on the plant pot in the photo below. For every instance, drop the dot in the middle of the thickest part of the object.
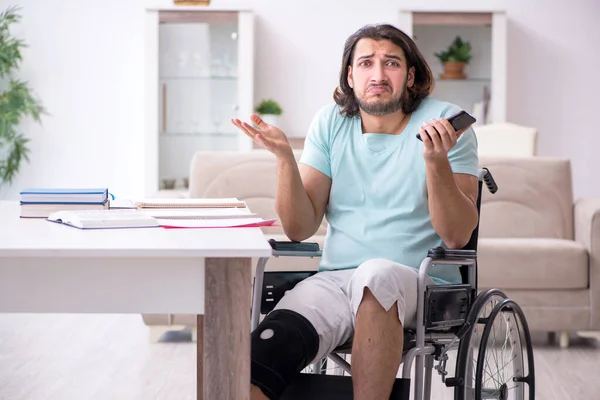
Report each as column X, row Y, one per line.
column 453, row 70
column 191, row 2
column 271, row 119
column 168, row 184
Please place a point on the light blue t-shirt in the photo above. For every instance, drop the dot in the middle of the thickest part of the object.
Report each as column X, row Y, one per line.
column 378, row 200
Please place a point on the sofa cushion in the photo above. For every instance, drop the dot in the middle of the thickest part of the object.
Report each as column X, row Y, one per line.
column 508, row 263
column 534, row 199
column 250, row 176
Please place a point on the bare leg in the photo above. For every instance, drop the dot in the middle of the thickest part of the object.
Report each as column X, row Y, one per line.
column 377, row 349
column 257, row 394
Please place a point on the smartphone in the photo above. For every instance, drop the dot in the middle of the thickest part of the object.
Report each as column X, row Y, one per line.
column 293, row 246
column 458, row 121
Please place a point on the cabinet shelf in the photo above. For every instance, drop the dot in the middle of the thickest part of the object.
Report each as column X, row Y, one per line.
column 467, row 80
column 198, row 78
column 453, row 18
column 201, row 134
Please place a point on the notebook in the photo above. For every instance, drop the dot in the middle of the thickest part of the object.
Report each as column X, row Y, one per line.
column 198, row 213
column 43, row 210
column 192, row 203
column 104, row 219
column 60, row 195
column 216, row 223
column 206, row 217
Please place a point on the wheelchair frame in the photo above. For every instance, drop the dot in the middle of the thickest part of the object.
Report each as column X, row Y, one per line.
column 427, row 345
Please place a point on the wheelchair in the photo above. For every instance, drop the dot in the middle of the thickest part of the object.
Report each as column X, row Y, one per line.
column 494, row 357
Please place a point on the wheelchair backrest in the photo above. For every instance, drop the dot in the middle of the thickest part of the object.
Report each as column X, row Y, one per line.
column 472, row 244
column 485, row 176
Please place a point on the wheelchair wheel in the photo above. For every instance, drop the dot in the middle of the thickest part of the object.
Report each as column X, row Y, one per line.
column 502, row 371
column 468, row 346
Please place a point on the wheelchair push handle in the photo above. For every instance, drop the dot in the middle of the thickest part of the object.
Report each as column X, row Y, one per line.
column 489, row 181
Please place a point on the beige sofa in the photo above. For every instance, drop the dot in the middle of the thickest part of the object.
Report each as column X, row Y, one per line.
column 535, row 243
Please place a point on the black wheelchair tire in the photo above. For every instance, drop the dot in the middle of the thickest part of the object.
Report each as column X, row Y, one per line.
column 463, row 359
column 512, row 306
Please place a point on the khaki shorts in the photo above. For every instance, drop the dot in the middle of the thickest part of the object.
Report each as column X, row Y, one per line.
column 330, row 299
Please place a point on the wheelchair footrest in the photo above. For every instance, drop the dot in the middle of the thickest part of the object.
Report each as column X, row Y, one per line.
column 334, row 387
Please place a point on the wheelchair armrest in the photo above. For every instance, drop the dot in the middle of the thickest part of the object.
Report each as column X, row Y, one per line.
column 295, row 249
column 440, row 253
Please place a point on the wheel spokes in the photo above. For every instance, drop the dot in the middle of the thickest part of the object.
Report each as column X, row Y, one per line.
column 501, row 347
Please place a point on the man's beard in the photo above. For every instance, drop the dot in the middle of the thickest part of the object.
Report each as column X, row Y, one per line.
column 380, row 108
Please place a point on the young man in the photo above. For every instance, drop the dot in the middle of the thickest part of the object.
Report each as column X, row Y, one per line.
column 388, row 198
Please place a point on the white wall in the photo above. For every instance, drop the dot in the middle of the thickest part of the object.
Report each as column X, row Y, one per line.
column 86, row 62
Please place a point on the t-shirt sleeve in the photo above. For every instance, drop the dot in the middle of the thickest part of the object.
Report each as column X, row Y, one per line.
column 463, row 156
column 316, row 152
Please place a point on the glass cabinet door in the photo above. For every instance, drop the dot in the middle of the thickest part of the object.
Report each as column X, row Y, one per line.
column 198, row 89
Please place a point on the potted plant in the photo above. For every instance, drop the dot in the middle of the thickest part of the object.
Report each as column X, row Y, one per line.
column 191, row 2
column 16, row 101
column 269, row 110
column 455, row 58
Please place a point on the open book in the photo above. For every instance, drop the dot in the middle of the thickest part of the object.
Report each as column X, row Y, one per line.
column 104, row 219
column 136, row 218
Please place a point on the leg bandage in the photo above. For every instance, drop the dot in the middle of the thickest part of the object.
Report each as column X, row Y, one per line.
column 282, row 345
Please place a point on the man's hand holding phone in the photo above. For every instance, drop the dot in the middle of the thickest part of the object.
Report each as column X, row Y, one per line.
column 440, row 136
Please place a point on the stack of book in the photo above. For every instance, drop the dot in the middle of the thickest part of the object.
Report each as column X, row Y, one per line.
column 41, row 202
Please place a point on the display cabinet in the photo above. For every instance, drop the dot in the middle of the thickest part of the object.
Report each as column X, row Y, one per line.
column 482, row 89
column 199, row 75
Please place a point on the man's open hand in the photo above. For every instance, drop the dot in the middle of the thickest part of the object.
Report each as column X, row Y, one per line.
column 267, row 136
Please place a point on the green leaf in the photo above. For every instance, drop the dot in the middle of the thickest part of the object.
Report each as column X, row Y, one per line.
column 269, row 106
column 458, row 50
column 17, row 101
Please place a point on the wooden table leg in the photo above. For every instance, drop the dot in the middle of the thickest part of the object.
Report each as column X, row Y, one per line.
column 200, row 356
column 226, row 368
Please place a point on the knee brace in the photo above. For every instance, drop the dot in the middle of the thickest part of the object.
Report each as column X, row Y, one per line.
column 282, row 345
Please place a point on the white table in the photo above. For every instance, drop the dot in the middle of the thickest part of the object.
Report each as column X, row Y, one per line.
column 47, row 267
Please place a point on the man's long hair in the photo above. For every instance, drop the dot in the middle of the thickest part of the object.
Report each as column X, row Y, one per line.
column 423, row 81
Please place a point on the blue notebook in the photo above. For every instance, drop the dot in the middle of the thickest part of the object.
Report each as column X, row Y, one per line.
column 62, row 195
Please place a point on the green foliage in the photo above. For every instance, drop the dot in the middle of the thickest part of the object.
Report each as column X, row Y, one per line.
column 457, row 51
column 16, row 100
column 269, row 106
